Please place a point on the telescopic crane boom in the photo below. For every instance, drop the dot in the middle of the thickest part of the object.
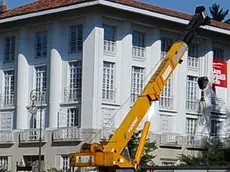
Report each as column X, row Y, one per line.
column 109, row 157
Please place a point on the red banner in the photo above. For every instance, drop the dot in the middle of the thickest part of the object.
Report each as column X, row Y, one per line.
column 219, row 73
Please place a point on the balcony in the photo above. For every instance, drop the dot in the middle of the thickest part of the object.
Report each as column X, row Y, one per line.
column 139, row 52
column 171, row 140
column 196, row 141
column 6, row 101
column 72, row 94
column 109, row 47
column 6, row 136
column 31, row 135
column 67, row 134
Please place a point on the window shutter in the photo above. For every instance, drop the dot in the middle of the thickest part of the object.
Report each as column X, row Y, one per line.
column 7, row 121
column 38, row 118
column 62, row 118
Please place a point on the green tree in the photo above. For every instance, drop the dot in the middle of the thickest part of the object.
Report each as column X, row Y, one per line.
column 218, row 13
column 149, row 147
column 53, row 170
column 214, row 153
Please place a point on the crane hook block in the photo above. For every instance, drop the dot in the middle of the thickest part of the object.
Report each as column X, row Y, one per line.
column 202, row 82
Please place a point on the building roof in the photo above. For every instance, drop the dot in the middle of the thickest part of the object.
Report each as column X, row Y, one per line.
column 42, row 5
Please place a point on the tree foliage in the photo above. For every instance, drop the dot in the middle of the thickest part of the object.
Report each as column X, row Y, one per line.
column 214, row 153
column 53, row 170
column 218, row 13
column 149, row 147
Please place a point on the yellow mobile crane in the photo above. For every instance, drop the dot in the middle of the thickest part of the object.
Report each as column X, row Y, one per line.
column 109, row 157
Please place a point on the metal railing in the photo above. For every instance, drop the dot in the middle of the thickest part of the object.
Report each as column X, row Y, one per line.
column 192, row 105
column 72, row 94
column 40, row 98
column 109, row 46
column 108, row 95
column 138, row 52
column 166, row 103
column 67, row 133
column 31, row 135
column 196, row 141
column 171, row 139
column 7, row 101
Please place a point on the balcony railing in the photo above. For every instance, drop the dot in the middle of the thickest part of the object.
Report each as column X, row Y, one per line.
column 108, row 95
column 6, row 101
column 196, row 141
column 72, row 94
column 191, row 105
column 31, row 135
column 166, row 103
column 6, row 136
column 171, row 139
column 138, row 52
column 40, row 97
column 106, row 133
column 67, row 134
column 109, row 47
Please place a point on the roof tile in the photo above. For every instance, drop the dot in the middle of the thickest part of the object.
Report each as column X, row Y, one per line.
column 39, row 6
column 50, row 4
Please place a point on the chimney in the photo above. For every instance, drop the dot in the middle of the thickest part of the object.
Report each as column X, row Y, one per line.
column 3, row 6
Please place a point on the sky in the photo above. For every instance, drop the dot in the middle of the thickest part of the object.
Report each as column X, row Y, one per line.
column 187, row 6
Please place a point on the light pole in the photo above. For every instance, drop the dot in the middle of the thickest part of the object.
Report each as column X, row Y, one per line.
column 34, row 95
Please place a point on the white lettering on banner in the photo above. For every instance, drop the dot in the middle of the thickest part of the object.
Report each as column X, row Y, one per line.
column 218, row 76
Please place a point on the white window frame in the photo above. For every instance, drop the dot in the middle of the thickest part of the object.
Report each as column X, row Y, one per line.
column 75, row 39
column 9, row 89
column 109, row 39
column 41, row 46
column 9, row 49
column 191, row 93
column 166, row 44
column 73, row 89
column 193, row 56
column 166, row 98
column 42, row 89
column 138, row 43
column 73, row 119
column 137, row 82
column 191, row 124
column 108, row 82
column 4, row 161
column 64, row 163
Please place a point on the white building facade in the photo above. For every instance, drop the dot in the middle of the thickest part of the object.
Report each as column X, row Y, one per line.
column 88, row 62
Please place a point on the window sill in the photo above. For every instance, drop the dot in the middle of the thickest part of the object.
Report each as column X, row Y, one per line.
column 70, row 103
column 113, row 54
column 140, row 59
column 7, row 108
column 104, row 102
column 167, row 110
